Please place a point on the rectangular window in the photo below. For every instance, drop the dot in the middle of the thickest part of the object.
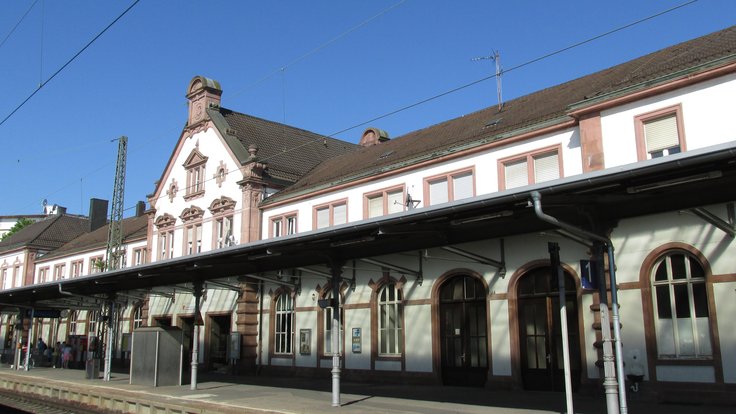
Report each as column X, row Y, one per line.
column 284, row 324
column 60, row 271
column 283, row 225
column 193, row 241
column 195, row 180
column 384, row 202
column 389, row 321
column 6, row 279
column 139, row 256
column 332, row 214
column 534, row 167
column 224, row 231
column 76, row 269
column 660, row 133
column 96, row 264
column 449, row 187
column 166, row 244
column 17, row 276
column 43, row 274
column 328, row 331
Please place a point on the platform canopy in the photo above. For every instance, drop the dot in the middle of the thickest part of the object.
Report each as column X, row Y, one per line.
column 595, row 201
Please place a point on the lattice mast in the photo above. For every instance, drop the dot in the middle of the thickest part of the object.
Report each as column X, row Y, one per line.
column 115, row 230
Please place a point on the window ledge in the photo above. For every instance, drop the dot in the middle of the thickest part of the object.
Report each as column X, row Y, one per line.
column 694, row 361
column 192, row 196
column 389, row 357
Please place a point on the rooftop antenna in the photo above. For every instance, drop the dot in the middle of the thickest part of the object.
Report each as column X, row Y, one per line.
column 496, row 57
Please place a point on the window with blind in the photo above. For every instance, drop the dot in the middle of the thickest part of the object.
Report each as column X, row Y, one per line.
column 384, row 202
column 332, row 214
column 530, row 168
column 449, row 187
column 660, row 133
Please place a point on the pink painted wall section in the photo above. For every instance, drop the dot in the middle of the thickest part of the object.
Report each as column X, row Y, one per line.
column 591, row 142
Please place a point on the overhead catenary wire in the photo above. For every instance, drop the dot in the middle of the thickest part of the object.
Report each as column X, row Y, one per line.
column 68, row 62
column 316, row 49
column 448, row 92
column 10, row 33
column 461, row 87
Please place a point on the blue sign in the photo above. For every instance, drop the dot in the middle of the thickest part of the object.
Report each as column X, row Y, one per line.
column 589, row 274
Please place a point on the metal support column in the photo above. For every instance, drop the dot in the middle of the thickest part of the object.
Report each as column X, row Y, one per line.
column 617, row 333
column 610, row 385
column 554, row 256
column 336, row 270
column 536, row 199
column 195, row 335
column 29, row 342
column 111, row 328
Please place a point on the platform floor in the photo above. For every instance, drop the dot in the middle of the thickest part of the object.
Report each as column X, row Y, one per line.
column 243, row 394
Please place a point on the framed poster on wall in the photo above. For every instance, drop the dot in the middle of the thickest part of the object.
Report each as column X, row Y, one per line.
column 305, row 341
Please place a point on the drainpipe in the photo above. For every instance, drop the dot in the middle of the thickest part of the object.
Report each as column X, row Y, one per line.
column 609, row 383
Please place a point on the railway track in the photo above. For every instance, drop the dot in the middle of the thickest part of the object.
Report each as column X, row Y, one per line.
column 34, row 405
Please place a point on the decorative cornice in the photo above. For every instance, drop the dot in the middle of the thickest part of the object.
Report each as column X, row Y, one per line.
column 166, row 220
column 222, row 204
column 191, row 213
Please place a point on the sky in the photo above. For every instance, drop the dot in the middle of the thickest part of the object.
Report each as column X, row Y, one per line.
column 320, row 65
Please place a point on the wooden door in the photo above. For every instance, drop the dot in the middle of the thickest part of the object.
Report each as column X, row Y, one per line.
column 540, row 335
column 463, row 331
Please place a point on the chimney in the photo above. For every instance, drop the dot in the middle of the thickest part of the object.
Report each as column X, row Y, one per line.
column 140, row 208
column 202, row 93
column 373, row 136
column 97, row 213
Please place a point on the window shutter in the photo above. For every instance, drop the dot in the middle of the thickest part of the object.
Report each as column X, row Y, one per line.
column 396, row 202
column 340, row 214
column 546, row 167
column 438, row 192
column 516, row 174
column 661, row 133
column 462, row 186
column 323, row 218
column 375, row 207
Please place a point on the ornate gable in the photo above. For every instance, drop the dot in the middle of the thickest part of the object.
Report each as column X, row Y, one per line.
column 194, row 159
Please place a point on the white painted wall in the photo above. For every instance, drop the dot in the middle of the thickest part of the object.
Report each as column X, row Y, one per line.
column 210, row 145
column 707, row 117
column 486, row 178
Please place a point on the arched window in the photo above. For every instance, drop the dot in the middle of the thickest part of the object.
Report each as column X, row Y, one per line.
column 284, row 329
column 390, row 321
column 680, row 306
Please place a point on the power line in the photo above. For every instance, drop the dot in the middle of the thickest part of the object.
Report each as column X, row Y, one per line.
column 467, row 85
column 68, row 62
column 317, row 49
column 18, row 24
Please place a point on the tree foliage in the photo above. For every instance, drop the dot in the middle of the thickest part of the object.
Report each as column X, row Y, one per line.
column 18, row 226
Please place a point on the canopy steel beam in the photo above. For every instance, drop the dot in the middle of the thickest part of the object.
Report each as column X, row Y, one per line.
column 726, row 226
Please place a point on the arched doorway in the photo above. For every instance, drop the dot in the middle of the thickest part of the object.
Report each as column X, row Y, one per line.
column 540, row 336
column 463, row 331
